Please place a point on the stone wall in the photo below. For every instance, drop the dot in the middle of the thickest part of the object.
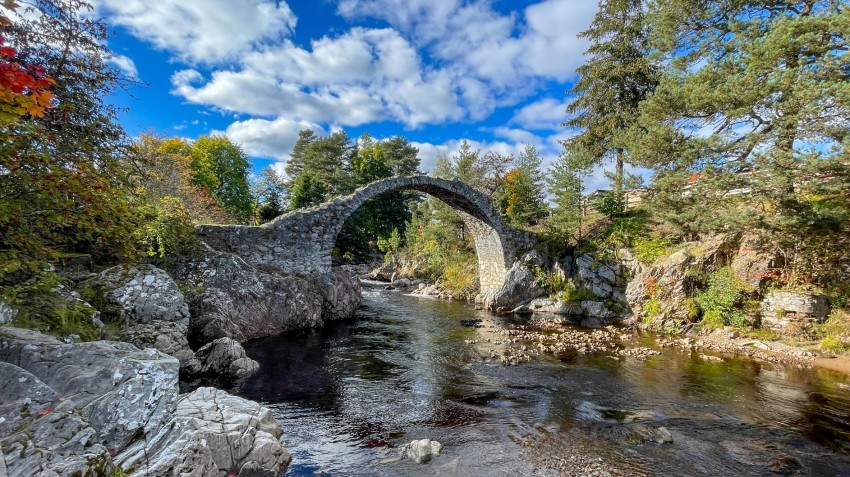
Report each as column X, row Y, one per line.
column 300, row 242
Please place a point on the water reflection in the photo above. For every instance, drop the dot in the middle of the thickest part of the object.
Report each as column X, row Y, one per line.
column 349, row 393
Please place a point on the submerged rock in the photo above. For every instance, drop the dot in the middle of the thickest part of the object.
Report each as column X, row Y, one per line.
column 421, row 451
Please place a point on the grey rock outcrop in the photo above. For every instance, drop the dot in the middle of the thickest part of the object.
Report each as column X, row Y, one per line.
column 42, row 433
column 754, row 261
column 231, row 298
column 223, row 359
column 782, row 308
column 7, row 313
column 142, row 294
column 519, row 286
column 667, row 284
column 153, row 308
column 341, row 294
column 211, row 433
column 66, row 406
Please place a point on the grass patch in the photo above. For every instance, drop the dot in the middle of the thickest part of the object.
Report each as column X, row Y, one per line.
column 834, row 333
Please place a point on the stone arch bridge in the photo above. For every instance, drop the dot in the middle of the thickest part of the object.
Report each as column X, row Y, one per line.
column 300, row 242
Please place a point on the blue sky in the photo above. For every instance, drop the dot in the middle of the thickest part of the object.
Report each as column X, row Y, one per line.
column 435, row 71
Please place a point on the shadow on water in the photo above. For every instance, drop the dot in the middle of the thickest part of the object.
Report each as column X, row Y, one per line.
column 410, row 368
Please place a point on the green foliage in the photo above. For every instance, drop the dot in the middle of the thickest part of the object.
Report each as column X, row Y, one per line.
column 741, row 129
column 523, row 200
column 565, row 183
column 835, row 332
column 720, row 302
column 460, row 277
column 222, row 167
column 391, row 245
column 168, row 231
column 651, row 309
column 269, row 190
column 610, row 204
column 63, row 178
column 616, row 78
column 650, row 249
column 574, row 295
column 833, row 345
column 40, row 305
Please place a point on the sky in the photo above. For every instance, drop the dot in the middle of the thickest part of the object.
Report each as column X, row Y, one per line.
column 434, row 71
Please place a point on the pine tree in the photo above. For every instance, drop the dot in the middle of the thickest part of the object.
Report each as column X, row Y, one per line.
column 616, row 78
column 566, row 183
column 748, row 126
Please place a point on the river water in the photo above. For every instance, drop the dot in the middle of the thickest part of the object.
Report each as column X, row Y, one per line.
column 351, row 393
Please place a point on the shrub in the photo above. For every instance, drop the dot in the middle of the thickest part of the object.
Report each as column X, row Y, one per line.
column 719, row 302
column 40, row 305
column 168, row 230
column 460, row 277
column 833, row 345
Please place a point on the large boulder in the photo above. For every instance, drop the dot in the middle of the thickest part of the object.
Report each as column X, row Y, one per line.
column 341, row 293
column 230, row 298
column 153, row 308
column 222, row 360
column 520, row 284
column 122, row 391
column 141, row 294
column 779, row 309
column 74, row 407
column 211, row 433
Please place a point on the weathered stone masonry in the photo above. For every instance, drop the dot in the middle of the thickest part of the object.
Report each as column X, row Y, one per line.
column 300, row 242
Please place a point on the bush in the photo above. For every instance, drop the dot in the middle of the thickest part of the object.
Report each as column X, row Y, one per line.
column 833, row 345
column 720, row 301
column 168, row 230
column 460, row 277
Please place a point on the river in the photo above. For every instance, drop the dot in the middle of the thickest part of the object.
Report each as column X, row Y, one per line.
column 349, row 394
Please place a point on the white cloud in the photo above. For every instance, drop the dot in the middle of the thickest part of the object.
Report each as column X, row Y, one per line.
column 207, row 32
column 545, row 114
column 264, row 138
column 126, row 65
column 517, row 135
column 362, row 76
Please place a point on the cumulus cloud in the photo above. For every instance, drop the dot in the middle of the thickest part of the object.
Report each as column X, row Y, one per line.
column 362, row 76
column 545, row 114
column 265, row 138
column 207, row 32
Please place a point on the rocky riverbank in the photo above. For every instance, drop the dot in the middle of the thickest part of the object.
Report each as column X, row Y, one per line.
column 88, row 408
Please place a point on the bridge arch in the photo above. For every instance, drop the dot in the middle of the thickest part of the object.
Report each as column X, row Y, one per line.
column 301, row 241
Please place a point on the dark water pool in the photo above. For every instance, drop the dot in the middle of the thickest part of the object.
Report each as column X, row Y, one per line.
column 350, row 393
